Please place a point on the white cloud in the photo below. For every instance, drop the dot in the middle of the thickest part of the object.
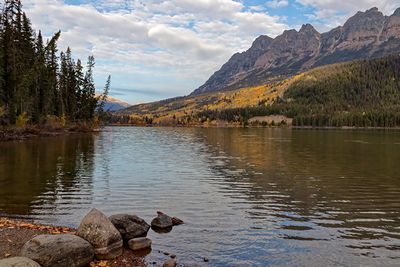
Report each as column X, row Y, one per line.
column 179, row 42
column 277, row 3
column 331, row 13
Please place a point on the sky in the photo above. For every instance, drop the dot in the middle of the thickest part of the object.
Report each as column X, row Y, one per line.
column 156, row 49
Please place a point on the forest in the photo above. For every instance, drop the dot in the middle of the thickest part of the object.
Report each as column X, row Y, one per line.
column 39, row 84
column 361, row 94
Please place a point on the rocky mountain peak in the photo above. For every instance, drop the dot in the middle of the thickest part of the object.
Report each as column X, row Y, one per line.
column 364, row 27
column 308, row 28
column 262, row 42
column 365, row 35
column 372, row 10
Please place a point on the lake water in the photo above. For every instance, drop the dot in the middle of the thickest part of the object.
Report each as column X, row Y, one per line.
column 249, row 197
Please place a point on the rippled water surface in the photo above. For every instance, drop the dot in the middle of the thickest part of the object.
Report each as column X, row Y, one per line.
column 250, row 197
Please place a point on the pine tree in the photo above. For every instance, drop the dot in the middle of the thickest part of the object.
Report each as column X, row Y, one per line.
column 103, row 97
column 51, row 62
column 79, row 82
column 71, row 86
column 11, row 23
column 39, row 86
column 89, row 91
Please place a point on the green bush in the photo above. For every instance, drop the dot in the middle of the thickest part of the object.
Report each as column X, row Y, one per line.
column 22, row 120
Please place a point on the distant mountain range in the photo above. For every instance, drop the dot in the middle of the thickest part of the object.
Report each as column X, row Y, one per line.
column 113, row 104
column 366, row 35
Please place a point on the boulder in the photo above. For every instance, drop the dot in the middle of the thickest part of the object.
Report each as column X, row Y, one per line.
column 98, row 230
column 18, row 262
column 130, row 226
column 58, row 251
column 139, row 243
column 162, row 221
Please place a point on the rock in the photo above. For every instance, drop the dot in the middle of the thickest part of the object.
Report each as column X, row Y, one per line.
column 162, row 221
column 130, row 226
column 170, row 263
column 176, row 221
column 139, row 243
column 102, row 234
column 161, row 230
column 18, row 262
column 58, row 250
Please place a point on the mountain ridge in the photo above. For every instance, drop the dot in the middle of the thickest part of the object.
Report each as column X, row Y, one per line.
column 114, row 104
column 368, row 34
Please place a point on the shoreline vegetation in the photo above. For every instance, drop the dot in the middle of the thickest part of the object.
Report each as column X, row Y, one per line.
column 35, row 131
column 257, row 126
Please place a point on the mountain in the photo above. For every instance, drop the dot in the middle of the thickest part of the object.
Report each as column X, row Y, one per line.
column 362, row 93
column 113, row 104
column 368, row 34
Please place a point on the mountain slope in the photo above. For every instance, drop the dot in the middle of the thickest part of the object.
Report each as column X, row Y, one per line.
column 367, row 34
column 364, row 93
column 361, row 93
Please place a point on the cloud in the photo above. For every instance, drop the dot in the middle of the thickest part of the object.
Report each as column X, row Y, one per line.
column 179, row 43
column 332, row 14
column 277, row 3
column 178, row 39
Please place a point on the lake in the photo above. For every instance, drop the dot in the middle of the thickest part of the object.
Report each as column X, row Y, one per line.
column 249, row 197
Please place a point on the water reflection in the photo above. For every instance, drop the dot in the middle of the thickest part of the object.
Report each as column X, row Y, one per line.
column 250, row 197
column 336, row 186
column 38, row 173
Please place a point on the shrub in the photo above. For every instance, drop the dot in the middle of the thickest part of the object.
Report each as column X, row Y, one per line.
column 2, row 111
column 55, row 122
column 22, row 120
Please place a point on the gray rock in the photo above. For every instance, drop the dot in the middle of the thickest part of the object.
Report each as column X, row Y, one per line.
column 162, row 221
column 58, row 251
column 139, row 243
column 98, row 230
column 130, row 226
column 170, row 263
column 18, row 262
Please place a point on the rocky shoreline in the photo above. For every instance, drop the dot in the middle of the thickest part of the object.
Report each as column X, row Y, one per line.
column 118, row 240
